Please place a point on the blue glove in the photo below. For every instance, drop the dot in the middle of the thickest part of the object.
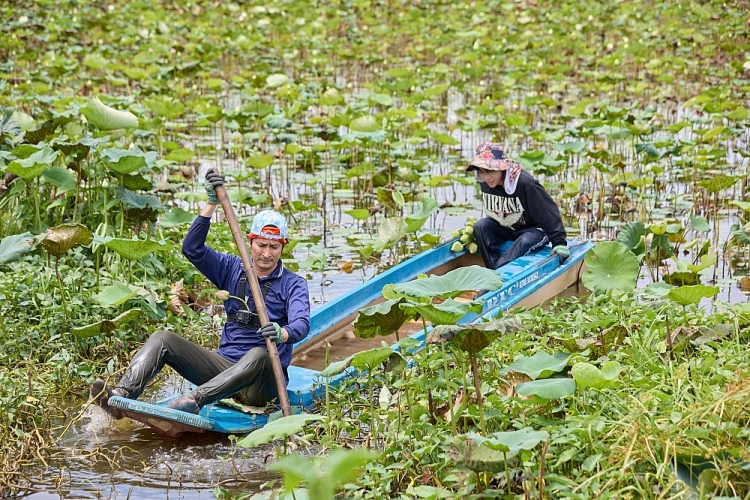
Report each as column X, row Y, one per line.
column 212, row 180
column 272, row 331
column 562, row 253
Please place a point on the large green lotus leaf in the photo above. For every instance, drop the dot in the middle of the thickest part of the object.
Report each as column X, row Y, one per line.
column 166, row 107
column 392, row 230
column 126, row 161
column 381, row 319
column 278, row 429
column 62, row 178
column 431, row 492
column 34, row 165
column 114, row 295
column 415, row 221
column 743, row 205
column 449, row 285
column 12, row 247
column 473, row 337
column 718, row 183
column 365, row 124
column 176, row 217
column 60, row 239
column 588, row 375
column 540, row 365
column 358, row 213
column 686, row 295
column 611, row 265
column 106, row 325
column 446, row 313
column 681, row 279
column 106, row 118
column 134, row 249
column 550, row 388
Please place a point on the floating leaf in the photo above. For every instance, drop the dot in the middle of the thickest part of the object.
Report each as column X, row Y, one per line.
column 106, row 325
column 59, row 239
column 12, row 247
column 106, row 118
column 278, row 429
column 611, row 265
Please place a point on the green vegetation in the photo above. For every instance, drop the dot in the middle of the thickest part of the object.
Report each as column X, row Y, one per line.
column 356, row 118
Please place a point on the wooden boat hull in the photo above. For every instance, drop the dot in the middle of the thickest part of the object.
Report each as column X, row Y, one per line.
column 528, row 281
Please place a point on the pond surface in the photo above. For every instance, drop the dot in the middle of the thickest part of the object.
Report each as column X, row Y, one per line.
column 101, row 458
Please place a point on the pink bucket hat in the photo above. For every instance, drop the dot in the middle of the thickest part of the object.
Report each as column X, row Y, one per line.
column 490, row 156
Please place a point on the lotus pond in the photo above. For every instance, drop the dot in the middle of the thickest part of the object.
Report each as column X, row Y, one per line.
column 356, row 119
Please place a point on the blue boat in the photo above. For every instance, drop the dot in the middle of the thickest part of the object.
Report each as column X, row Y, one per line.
column 527, row 282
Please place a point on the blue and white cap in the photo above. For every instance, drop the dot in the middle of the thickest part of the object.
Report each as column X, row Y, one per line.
column 269, row 225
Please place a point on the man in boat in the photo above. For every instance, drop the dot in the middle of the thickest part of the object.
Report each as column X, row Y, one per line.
column 241, row 367
column 519, row 209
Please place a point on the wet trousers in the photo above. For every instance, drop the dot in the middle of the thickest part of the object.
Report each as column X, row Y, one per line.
column 250, row 380
column 489, row 235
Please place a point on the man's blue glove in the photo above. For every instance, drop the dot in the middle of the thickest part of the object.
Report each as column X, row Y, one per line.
column 212, row 180
column 272, row 331
column 562, row 253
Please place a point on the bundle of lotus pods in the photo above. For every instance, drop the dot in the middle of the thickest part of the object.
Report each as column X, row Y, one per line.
column 465, row 237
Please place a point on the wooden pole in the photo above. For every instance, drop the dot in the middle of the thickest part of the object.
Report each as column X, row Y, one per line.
column 260, row 306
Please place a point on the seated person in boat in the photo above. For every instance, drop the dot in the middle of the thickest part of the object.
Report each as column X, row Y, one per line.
column 241, row 367
column 518, row 209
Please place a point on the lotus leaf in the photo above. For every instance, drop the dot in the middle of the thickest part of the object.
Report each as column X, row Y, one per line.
column 588, row 375
column 365, row 124
column 134, row 249
column 445, row 313
column 276, row 80
column 62, row 178
column 106, row 325
column 686, row 295
column 12, row 247
column 449, row 285
column 58, row 240
column 176, row 217
column 611, row 265
column 551, row 388
column 381, row 319
column 491, row 453
column 114, row 295
column 473, row 337
column 415, row 221
column 278, row 429
column 392, row 230
column 33, row 166
column 540, row 365
column 106, row 118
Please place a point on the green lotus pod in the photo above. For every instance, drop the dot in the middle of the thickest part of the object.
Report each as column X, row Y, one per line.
column 456, row 233
column 457, row 247
column 473, row 248
column 469, row 229
column 465, row 238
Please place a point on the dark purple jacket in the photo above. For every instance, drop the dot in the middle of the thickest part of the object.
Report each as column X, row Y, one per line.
column 287, row 301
